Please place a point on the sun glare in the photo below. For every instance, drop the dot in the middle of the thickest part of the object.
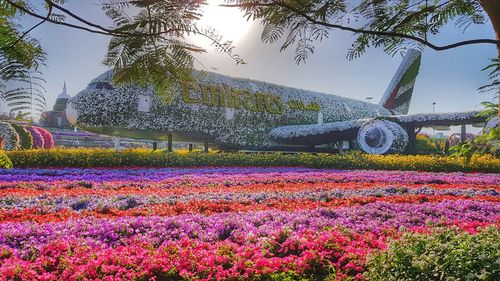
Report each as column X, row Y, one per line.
column 228, row 22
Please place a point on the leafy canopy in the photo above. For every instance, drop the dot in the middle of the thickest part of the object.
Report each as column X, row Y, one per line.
column 150, row 47
column 148, row 44
column 392, row 24
column 20, row 57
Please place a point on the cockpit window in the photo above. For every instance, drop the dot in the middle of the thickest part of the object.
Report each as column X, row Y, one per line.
column 101, row 86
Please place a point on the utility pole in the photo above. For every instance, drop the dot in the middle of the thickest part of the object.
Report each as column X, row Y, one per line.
column 433, row 111
column 369, row 99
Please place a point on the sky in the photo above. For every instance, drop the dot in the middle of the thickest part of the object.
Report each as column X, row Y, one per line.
column 448, row 78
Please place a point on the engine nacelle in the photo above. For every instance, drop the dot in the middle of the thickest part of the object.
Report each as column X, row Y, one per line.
column 381, row 137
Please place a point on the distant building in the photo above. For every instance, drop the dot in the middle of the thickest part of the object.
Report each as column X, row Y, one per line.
column 56, row 118
column 439, row 135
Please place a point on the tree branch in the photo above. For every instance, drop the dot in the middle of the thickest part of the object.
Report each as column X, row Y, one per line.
column 29, row 30
column 102, row 30
column 35, row 15
column 82, row 20
column 365, row 31
column 110, row 32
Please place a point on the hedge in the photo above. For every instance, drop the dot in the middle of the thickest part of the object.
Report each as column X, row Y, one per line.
column 444, row 255
column 61, row 157
column 425, row 146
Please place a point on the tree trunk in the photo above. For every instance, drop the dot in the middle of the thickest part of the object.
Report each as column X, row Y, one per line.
column 492, row 9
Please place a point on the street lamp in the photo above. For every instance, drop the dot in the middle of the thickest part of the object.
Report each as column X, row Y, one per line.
column 369, row 99
column 434, row 111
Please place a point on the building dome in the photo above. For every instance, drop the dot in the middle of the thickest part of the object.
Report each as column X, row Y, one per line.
column 62, row 100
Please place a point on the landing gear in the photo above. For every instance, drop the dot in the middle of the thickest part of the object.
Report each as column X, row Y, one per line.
column 205, row 146
column 463, row 134
column 169, row 143
column 116, row 141
column 340, row 145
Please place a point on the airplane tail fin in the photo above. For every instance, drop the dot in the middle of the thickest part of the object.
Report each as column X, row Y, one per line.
column 397, row 97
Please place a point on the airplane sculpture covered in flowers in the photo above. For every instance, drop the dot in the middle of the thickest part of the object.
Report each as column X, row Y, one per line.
column 235, row 113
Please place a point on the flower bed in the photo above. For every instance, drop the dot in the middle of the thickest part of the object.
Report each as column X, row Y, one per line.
column 229, row 223
column 22, row 136
column 86, row 157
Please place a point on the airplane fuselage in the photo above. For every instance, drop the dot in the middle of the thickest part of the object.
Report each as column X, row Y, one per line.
column 229, row 112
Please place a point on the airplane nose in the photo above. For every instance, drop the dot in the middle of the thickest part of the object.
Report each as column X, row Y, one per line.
column 71, row 114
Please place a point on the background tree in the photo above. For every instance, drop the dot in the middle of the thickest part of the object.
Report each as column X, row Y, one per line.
column 148, row 43
column 394, row 25
column 20, row 57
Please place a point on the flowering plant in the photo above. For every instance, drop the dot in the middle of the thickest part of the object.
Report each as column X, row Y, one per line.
column 38, row 140
column 9, row 136
column 226, row 223
column 48, row 141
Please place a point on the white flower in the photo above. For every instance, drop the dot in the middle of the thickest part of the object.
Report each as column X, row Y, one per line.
column 9, row 136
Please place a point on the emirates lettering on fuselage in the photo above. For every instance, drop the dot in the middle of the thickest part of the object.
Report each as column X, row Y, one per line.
column 225, row 96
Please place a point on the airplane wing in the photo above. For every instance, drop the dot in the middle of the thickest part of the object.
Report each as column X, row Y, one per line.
column 316, row 134
column 440, row 119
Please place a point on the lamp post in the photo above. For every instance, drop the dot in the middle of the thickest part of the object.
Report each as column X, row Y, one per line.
column 369, row 99
column 433, row 111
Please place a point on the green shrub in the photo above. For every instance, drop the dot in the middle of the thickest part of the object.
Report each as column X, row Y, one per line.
column 487, row 143
column 60, row 157
column 445, row 255
column 25, row 139
column 426, row 146
column 5, row 162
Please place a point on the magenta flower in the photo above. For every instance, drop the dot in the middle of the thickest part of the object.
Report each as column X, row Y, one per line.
column 38, row 140
column 48, row 140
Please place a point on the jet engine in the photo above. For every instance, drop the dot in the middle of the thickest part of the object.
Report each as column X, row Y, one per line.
column 381, row 137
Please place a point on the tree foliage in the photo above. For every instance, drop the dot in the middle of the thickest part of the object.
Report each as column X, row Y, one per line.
column 18, row 52
column 489, row 140
column 150, row 47
column 494, row 76
column 20, row 57
column 28, row 96
column 486, row 143
column 148, row 44
column 490, row 110
column 394, row 25
column 153, row 51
